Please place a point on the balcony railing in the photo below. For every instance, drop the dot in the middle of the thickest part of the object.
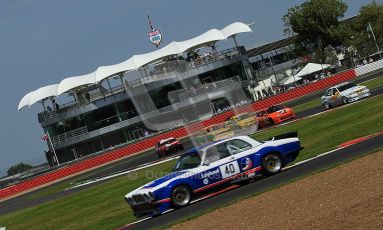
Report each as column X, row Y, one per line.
column 183, row 94
column 65, row 137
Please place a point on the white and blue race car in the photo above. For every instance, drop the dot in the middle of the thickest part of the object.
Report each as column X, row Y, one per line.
column 213, row 165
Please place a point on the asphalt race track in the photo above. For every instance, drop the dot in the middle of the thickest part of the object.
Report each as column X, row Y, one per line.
column 267, row 183
column 20, row 202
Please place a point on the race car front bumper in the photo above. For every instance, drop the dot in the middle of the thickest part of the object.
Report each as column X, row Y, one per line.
column 358, row 97
column 146, row 209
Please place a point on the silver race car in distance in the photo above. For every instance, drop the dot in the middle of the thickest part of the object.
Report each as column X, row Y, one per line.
column 343, row 93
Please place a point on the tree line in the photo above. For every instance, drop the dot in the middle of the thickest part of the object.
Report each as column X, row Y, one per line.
column 320, row 30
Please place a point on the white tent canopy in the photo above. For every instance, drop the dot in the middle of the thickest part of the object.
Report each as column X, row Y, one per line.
column 38, row 95
column 173, row 48
column 25, row 100
column 291, row 79
column 135, row 62
column 235, row 28
column 43, row 92
column 75, row 82
column 204, row 39
column 311, row 68
column 104, row 72
column 266, row 83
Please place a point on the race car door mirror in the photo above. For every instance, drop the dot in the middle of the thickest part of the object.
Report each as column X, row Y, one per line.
column 206, row 164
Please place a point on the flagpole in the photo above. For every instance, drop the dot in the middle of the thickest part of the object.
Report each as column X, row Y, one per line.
column 369, row 29
column 53, row 149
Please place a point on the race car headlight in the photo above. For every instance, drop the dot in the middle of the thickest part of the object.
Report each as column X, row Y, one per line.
column 129, row 200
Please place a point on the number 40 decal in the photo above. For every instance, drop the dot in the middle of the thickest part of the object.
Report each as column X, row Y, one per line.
column 229, row 169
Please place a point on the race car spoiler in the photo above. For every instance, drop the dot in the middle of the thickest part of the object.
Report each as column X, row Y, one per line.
column 284, row 136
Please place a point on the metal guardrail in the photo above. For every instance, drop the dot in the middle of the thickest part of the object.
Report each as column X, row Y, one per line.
column 45, row 115
column 207, row 88
column 65, row 137
column 183, row 94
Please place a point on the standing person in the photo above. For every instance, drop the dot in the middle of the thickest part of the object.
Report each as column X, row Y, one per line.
column 146, row 133
column 57, row 107
column 87, row 96
column 370, row 60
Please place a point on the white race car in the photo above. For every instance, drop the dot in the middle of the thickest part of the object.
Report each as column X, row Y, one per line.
column 343, row 94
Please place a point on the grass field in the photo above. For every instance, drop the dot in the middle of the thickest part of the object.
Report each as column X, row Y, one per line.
column 324, row 132
column 100, row 207
column 103, row 206
column 371, row 84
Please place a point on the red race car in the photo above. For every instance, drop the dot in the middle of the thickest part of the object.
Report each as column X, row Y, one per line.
column 274, row 115
column 167, row 146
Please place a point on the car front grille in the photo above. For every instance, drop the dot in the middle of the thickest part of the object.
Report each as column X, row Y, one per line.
column 139, row 199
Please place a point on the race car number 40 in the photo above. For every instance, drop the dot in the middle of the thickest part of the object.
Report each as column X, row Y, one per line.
column 229, row 169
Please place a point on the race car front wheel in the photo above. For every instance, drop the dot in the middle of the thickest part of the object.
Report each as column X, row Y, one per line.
column 181, row 196
column 327, row 105
column 271, row 164
column 344, row 100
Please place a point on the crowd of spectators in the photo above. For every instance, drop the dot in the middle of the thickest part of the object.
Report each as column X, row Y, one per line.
column 240, row 103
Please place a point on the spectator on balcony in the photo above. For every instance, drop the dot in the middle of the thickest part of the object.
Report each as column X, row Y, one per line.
column 57, row 107
column 370, row 60
column 87, row 96
column 146, row 133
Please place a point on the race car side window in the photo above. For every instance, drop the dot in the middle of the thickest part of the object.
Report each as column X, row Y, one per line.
column 216, row 152
column 261, row 113
column 237, row 146
column 329, row 92
column 187, row 162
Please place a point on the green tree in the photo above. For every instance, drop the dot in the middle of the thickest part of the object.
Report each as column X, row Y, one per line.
column 21, row 167
column 362, row 40
column 316, row 26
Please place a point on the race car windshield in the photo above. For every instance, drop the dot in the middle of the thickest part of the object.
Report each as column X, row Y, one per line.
column 275, row 108
column 244, row 116
column 346, row 87
column 188, row 161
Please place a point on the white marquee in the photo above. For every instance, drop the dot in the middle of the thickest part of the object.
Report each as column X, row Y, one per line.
column 134, row 63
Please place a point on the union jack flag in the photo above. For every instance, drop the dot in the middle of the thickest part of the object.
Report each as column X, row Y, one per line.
column 45, row 137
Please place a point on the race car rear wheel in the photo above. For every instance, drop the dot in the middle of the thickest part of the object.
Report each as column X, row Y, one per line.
column 271, row 122
column 181, row 196
column 271, row 164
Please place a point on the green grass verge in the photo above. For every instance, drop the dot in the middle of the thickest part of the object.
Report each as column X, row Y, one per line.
column 306, row 106
column 324, row 132
column 371, row 84
column 100, row 207
column 374, row 83
column 103, row 207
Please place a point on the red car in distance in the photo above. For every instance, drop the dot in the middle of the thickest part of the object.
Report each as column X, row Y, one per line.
column 274, row 115
column 168, row 146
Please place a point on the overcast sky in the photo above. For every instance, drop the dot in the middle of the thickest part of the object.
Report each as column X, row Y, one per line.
column 44, row 41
